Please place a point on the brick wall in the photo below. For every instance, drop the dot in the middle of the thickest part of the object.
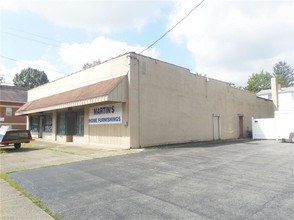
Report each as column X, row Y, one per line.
column 16, row 122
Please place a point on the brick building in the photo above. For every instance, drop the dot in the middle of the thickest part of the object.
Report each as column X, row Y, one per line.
column 11, row 99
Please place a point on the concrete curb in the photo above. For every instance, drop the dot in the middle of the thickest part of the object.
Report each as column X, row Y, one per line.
column 15, row 206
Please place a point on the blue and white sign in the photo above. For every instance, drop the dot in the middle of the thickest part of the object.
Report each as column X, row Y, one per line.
column 106, row 114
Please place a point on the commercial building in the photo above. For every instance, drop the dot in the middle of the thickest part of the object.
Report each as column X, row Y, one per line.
column 136, row 101
column 11, row 99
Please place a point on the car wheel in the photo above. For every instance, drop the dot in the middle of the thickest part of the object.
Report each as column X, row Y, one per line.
column 17, row 145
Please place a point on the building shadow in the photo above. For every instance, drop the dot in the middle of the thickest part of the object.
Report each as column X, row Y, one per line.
column 205, row 144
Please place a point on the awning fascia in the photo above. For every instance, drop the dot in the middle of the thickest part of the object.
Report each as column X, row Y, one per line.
column 66, row 105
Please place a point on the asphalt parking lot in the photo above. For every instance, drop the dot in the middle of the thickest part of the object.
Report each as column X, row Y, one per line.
column 43, row 153
column 37, row 154
column 248, row 180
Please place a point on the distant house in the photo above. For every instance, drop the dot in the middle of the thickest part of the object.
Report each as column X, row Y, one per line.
column 11, row 99
column 285, row 97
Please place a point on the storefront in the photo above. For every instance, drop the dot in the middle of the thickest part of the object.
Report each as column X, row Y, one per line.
column 79, row 114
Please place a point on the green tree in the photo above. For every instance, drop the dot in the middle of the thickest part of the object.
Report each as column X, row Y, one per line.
column 30, row 78
column 284, row 74
column 259, row 81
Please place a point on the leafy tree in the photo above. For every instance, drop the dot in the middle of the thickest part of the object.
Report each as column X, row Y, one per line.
column 30, row 78
column 284, row 74
column 259, row 81
column 2, row 80
column 89, row 65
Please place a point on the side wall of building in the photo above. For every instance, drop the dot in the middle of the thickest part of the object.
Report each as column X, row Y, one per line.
column 176, row 106
column 286, row 101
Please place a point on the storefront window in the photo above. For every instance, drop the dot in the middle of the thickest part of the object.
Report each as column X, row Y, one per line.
column 74, row 119
column 61, row 123
column 48, row 123
column 34, row 123
column 79, row 123
column 44, row 121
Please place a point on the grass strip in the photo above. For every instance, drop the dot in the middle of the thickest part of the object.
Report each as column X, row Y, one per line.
column 37, row 202
column 49, row 148
column 61, row 151
column 2, row 151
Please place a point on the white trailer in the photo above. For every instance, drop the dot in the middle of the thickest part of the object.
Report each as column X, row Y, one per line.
column 281, row 127
column 284, row 125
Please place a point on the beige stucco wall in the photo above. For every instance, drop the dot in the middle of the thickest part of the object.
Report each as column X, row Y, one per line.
column 176, row 106
column 112, row 134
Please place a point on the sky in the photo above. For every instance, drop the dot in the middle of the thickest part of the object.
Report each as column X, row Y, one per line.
column 223, row 39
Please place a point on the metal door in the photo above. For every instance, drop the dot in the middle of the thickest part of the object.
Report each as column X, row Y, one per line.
column 216, row 127
column 241, row 131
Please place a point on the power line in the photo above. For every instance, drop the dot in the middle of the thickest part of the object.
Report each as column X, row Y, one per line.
column 45, row 43
column 172, row 27
column 33, row 34
column 41, row 42
column 31, row 39
column 8, row 58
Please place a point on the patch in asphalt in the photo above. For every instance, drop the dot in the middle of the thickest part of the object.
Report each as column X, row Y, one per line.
column 253, row 180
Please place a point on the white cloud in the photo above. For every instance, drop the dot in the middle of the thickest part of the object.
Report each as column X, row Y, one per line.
column 101, row 48
column 232, row 39
column 104, row 16
column 49, row 69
